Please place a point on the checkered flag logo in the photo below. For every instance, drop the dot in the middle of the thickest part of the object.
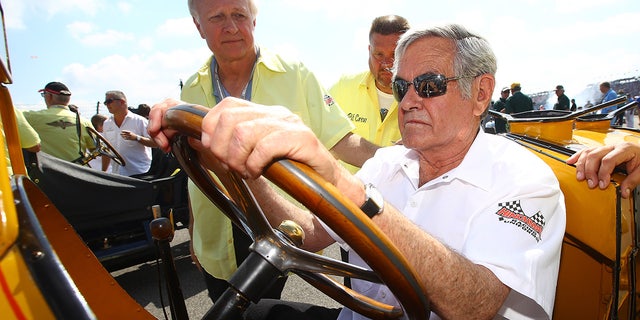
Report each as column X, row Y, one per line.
column 511, row 212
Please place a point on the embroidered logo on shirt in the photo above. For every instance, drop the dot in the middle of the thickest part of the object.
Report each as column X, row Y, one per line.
column 61, row 124
column 328, row 100
column 511, row 212
column 356, row 117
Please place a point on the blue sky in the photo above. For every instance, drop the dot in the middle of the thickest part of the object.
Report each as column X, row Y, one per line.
column 144, row 47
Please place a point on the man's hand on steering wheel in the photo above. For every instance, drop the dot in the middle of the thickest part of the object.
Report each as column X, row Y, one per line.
column 246, row 138
column 161, row 136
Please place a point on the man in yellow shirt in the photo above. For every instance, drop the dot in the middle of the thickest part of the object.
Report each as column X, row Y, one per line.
column 239, row 68
column 62, row 131
column 366, row 97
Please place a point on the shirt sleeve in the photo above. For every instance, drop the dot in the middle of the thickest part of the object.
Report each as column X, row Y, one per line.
column 28, row 136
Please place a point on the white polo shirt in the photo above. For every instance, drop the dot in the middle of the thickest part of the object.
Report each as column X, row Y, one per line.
column 137, row 157
column 501, row 208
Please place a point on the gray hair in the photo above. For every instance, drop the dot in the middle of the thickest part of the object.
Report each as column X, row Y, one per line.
column 60, row 99
column 116, row 94
column 253, row 8
column 473, row 56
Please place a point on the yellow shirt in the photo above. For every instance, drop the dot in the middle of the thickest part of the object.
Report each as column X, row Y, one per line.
column 28, row 136
column 275, row 82
column 56, row 127
column 357, row 96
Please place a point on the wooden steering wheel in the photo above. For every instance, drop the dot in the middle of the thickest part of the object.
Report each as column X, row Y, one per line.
column 321, row 198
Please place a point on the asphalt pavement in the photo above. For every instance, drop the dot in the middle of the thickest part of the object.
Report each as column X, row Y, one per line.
column 142, row 283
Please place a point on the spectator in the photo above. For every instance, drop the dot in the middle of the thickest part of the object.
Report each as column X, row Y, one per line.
column 495, row 265
column 29, row 138
column 518, row 102
column 608, row 95
column 98, row 122
column 563, row 100
column 142, row 110
column 127, row 133
column 366, row 97
column 501, row 106
column 574, row 107
column 596, row 164
column 629, row 114
column 62, row 132
column 217, row 246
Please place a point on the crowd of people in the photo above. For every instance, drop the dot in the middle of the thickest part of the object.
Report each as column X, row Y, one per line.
column 406, row 130
column 512, row 100
column 60, row 130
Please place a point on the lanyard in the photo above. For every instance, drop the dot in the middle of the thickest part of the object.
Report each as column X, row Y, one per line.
column 220, row 92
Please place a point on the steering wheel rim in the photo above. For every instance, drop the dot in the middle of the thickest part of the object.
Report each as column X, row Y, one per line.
column 324, row 200
column 104, row 147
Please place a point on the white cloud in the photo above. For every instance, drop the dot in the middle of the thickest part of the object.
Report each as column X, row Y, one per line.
column 341, row 9
column 573, row 6
column 54, row 7
column 182, row 27
column 14, row 11
column 146, row 43
column 106, row 38
column 143, row 78
column 79, row 29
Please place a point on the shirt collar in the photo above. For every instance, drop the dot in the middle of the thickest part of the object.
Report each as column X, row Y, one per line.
column 266, row 58
column 467, row 171
column 60, row 106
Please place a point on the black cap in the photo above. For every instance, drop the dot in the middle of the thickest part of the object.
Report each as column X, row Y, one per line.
column 56, row 88
column 559, row 87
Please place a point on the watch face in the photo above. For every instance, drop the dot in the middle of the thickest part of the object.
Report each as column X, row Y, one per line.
column 374, row 203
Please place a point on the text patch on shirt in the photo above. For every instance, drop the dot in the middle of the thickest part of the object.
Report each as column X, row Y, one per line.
column 511, row 212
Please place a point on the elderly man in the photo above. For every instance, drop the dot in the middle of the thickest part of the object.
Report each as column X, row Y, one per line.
column 495, row 254
column 240, row 68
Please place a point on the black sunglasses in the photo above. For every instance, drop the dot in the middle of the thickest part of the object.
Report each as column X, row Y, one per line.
column 109, row 100
column 426, row 85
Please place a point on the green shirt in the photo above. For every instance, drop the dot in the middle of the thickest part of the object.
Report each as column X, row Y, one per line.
column 276, row 81
column 519, row 102
column 56, row 127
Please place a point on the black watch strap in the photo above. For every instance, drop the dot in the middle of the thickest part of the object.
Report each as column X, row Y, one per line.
column 374, row 202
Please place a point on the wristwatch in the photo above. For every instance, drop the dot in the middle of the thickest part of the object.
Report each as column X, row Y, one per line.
column 374, row 202
column 138, row 138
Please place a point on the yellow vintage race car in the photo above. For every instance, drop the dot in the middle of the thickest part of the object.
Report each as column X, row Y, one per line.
column 48, row 272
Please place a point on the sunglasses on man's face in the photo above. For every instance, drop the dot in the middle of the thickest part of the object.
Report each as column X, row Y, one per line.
column 426, row 85
column 109, row 100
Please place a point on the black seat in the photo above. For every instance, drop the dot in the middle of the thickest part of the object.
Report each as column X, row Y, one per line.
column 162, row 165
column 109, row 211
